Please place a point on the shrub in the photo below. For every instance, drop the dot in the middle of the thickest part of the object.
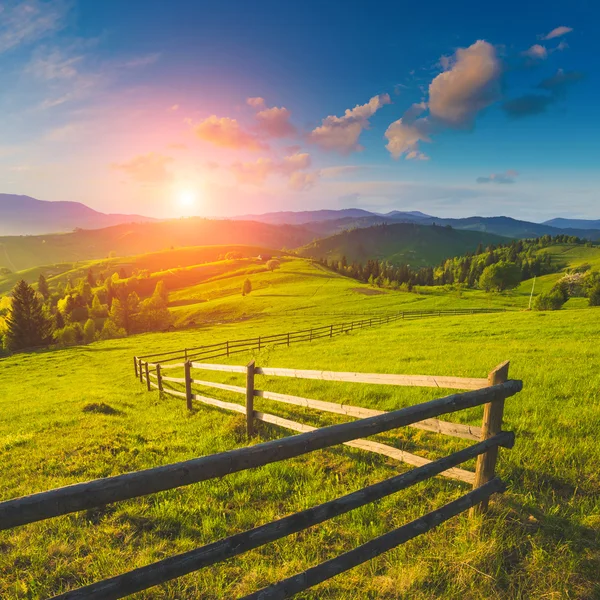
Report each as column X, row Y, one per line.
column 273, row 264
column 595, row 295
column 110, row 331
column 552, row 301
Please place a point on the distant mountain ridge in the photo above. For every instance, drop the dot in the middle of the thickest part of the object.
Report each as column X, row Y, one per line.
column 24, row 215
column 504, row 226
column 574, row 223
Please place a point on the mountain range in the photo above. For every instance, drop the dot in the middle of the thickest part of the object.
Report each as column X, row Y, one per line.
column 23, row 215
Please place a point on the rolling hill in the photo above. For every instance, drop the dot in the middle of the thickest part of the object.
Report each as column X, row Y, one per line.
column 23, row 252
column 23, row 215
column 408, row 243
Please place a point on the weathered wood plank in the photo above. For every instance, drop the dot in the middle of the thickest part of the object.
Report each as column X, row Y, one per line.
column 369, row 446
column 469, row 432
column 193, row 560
column 82, row 496
column 226, row 368
column 462, row 383
column 311, row 577
column 220, row 403
column 174, row 379
column 221, row 386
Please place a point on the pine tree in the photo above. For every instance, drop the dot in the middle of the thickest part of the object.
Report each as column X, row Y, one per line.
column 59, row 321
column 89, row 331
column 43, row 288
column 90, row 278
column 27, row 324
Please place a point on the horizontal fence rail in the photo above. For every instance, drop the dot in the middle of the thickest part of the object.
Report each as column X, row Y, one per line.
column 188, row 562
column 231, row 347
column 82, row 496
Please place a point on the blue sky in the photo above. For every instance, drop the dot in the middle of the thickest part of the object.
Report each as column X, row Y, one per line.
column 175, row 108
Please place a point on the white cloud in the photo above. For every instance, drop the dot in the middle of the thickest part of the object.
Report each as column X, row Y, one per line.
column 405, row 134
column 456, row 96
column 146, row 168
column 416, row 155
column 537, row 52
column 472, row 84
column 301, row 181
column 227, row 133
column 275, row 122
column 557, row 32
column 342, row 133
column 256, row 102
column 293, row 167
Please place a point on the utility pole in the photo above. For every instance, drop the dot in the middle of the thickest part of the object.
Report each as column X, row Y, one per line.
column 531, row 295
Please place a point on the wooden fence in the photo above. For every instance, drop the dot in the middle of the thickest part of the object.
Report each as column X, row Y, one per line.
column 230, row 347
column 489, row 392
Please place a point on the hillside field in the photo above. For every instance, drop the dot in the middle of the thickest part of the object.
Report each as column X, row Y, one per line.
column 77, row 414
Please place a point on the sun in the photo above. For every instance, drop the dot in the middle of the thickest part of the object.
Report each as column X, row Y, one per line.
column 187, row 198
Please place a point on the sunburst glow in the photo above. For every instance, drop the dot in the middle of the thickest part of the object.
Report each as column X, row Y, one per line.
column 187, row 198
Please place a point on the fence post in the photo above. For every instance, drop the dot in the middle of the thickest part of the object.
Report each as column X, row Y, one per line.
column 135, row 365
column 250, row 399
column 490, row 426
column 159, row 378
column 148, row 378
column 288, row 339
column 259, row 342
column 188, row 384
column 311, row 334
column 331, row 331
column 227, row 348
column 185, row 354
column 141, row 371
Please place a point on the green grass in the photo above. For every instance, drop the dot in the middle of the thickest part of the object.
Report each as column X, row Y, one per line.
column 77, row 414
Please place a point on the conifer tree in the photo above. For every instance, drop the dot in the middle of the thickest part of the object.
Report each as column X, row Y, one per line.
column 43, row 288
column 246, row 287
column 90, row 278
column 27, row 324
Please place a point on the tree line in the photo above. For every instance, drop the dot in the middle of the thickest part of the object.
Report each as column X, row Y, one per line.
column 494, row 268
column 81, row 312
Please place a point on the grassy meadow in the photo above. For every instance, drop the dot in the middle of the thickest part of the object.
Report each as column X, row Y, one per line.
column 78, row 413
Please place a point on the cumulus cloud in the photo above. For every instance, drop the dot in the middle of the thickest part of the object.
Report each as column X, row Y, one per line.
column 227, row 133
column 301, row 181
column 472, row 84
column 536, row 52
column 275, row 122
column 557, row 32
column 404, row 136
column 146, row 168
column 342, row 133
column 256, row 102
column 293, row 167
column 499, row 178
